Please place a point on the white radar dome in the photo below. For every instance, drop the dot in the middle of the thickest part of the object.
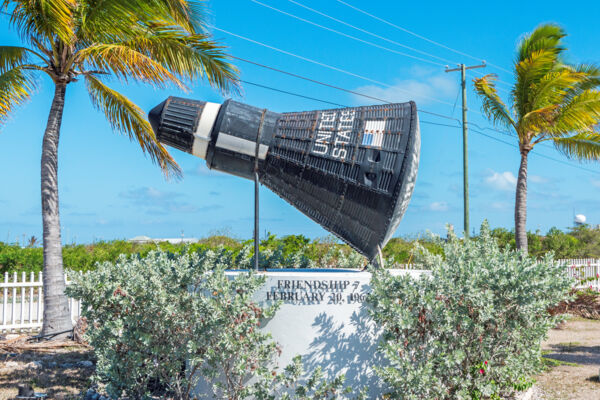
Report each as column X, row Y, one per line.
column 580, row 219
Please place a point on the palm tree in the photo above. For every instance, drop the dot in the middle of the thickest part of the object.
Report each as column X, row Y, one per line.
column 159, row 42
column 551, row 101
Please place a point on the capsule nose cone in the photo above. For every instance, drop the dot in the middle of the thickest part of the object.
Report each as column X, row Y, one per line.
column 154, row 116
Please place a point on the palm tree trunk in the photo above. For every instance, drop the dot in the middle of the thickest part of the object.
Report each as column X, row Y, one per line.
column 57, row 317
column 521, row 204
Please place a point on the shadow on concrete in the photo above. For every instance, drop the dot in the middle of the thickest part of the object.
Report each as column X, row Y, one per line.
column 352, row 351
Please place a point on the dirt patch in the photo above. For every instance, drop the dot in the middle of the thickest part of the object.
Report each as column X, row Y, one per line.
column 575, row 347
column 62, row 372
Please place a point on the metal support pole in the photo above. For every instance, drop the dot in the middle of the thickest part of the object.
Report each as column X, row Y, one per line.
column 256, row 191
column 256, row 210
column 380, row 257
column 462, row 68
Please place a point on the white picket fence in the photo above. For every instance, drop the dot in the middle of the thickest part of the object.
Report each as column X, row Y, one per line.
column 586, row 271
column 23, row 304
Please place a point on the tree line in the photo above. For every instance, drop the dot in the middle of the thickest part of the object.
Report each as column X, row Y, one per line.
column 293, row 251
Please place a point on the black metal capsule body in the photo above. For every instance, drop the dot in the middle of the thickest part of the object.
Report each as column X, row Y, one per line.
column 351, row 170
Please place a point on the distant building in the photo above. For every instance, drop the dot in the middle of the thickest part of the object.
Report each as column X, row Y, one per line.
column 146, row 239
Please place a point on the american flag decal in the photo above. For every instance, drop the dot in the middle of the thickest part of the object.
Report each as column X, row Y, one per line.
column 373, row 133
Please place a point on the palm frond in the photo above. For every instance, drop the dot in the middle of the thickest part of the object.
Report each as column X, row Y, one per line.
column 492, row 105
column 188, row 56
column 12, row 56
column 553, row 87
column 591, row 71
column 545, row 38
column 128, row 63
column 126, row 117
column 579, row 114
column 109, row 21
column 590, row 81
column 582, row 146
column 16, row 86
column 188, row 14
column 45, row 18
column 529, row 73
column 539, row 120
column 214, row 64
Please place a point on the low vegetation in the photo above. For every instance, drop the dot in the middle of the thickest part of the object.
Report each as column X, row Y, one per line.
column 162, row 324
column 293, row 251
column 473, row 330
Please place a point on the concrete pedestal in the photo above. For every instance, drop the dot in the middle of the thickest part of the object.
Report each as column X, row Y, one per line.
column 324, row 319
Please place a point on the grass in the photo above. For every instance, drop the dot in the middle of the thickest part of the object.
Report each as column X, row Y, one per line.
column 548, row 362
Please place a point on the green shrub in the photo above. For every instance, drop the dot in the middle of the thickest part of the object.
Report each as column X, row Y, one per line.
column 291, row 251
column 164, row 323
column 147, row 316
column 399, row 250
column 14, row 258
column 472, row 329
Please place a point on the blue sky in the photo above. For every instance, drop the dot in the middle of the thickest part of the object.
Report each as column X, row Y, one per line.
column 109, row 190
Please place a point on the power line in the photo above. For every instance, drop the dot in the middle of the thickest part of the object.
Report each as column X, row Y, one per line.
column 330, row 102
column 537, row 154
column 348, row 90
column 371, row 33
column 419, row 36
column 292, row 94
column 326, row 65
column 368, row 33
column 354, row 92
column 506, row 133
column 334, row 86
column 335, row 68
column 449, row 117
column 346, row 35
column 437, row 123
column 374, row 81
column 424, row 122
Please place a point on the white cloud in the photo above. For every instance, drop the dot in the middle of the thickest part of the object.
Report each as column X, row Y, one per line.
column 596, row 182
column 423, row 90
column 439, row 206
column 504, row 181
column 537, row 179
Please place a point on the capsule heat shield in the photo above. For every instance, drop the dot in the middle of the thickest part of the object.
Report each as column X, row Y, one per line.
column 351, row 170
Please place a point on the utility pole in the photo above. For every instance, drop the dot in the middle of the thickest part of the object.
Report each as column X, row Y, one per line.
column 462, row 68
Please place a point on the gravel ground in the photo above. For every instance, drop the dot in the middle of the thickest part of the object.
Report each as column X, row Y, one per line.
column 61, row 373
column 576, row 342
